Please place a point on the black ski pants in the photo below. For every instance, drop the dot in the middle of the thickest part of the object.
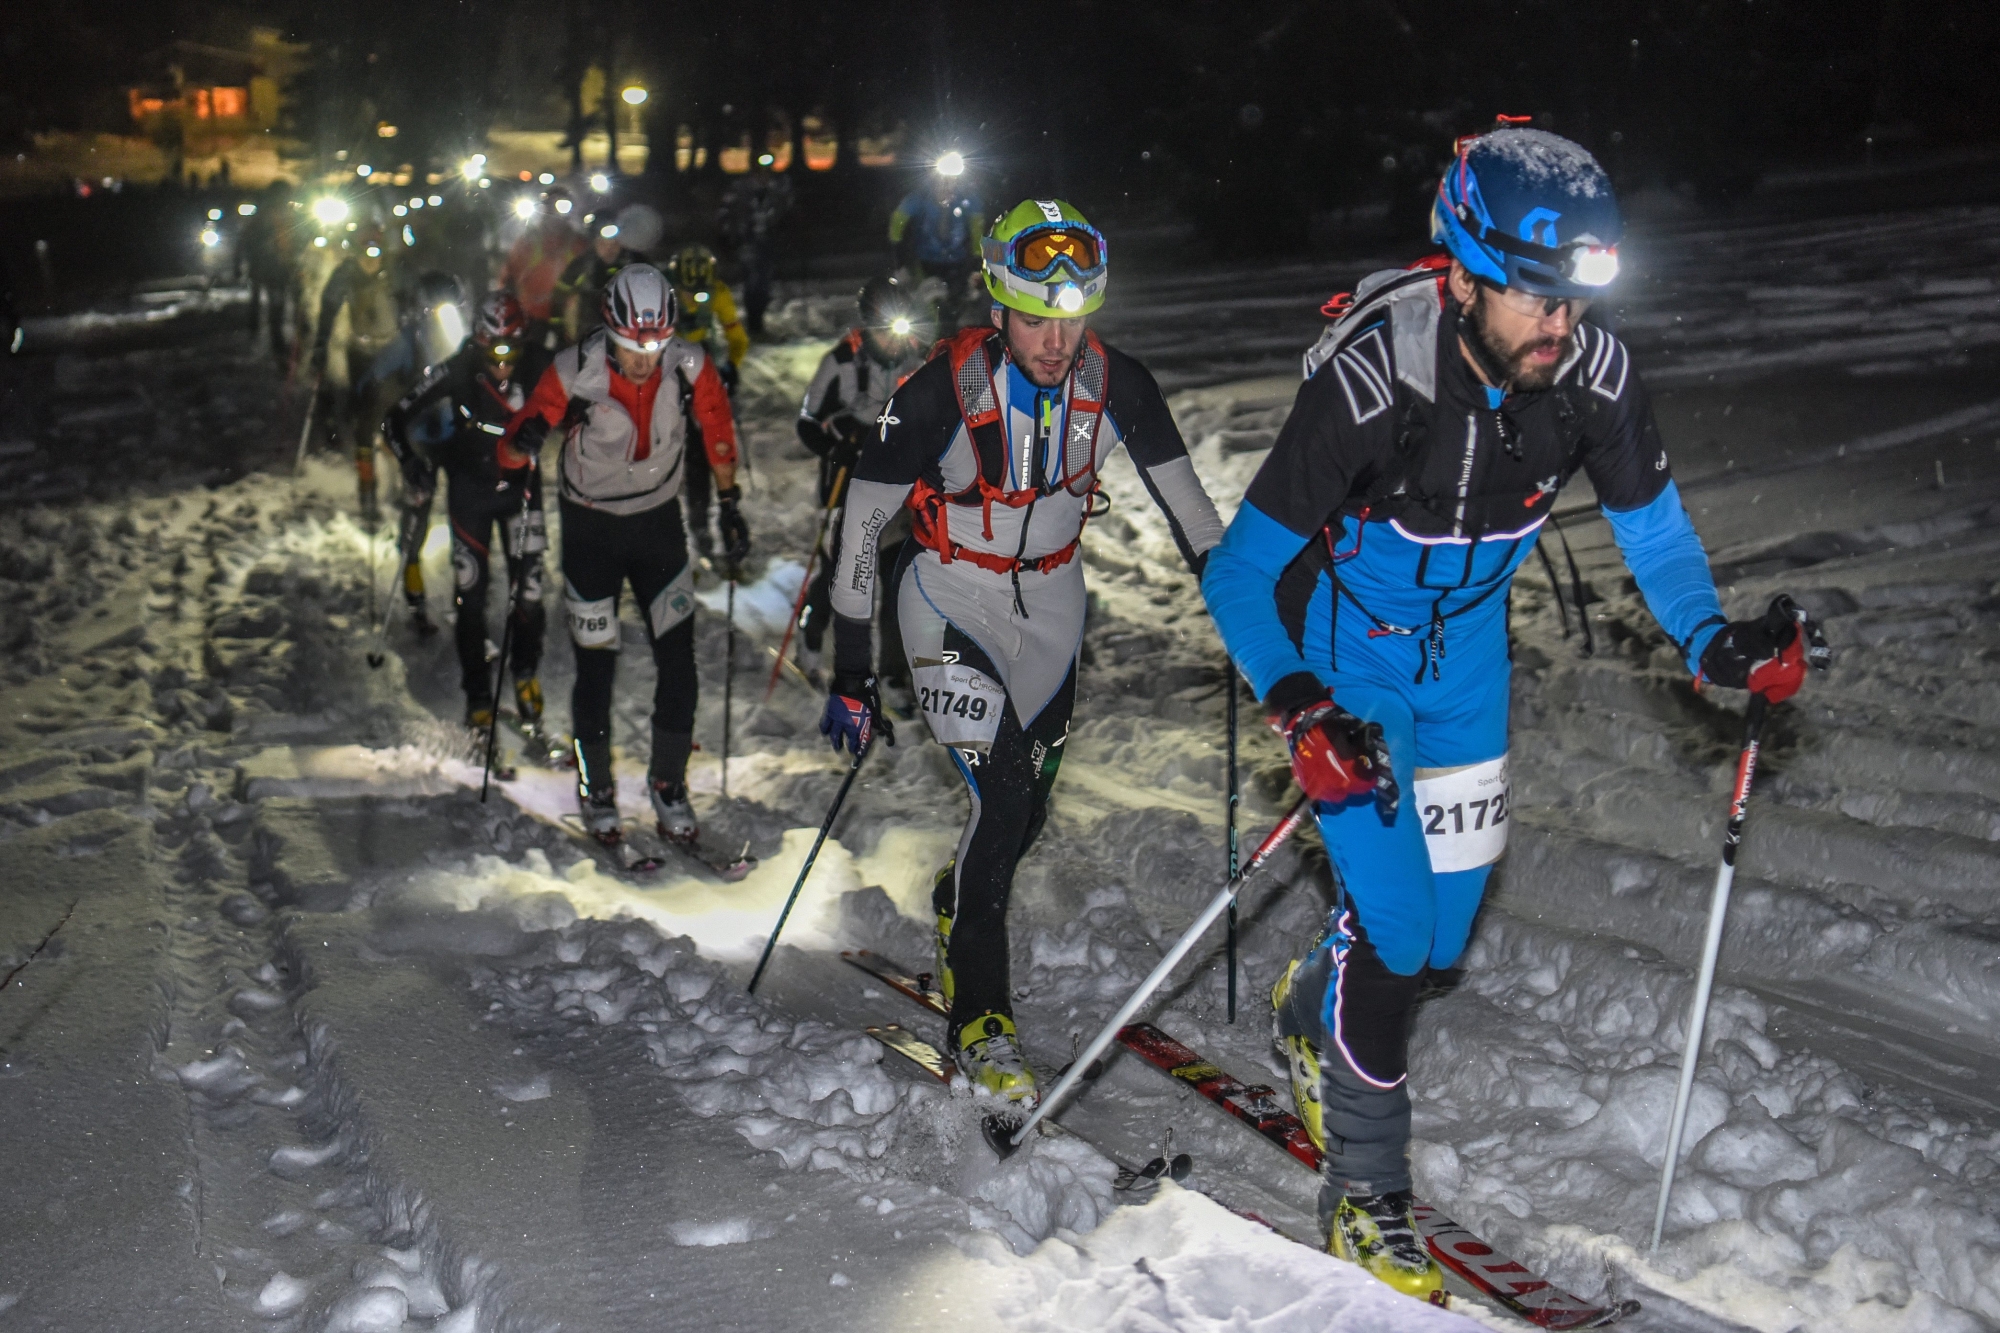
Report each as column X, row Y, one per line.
column 476, row 510
column 601, row 554
column 1009, row 786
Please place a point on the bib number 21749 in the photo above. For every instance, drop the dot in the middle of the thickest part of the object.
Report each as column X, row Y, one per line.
column 961, row 704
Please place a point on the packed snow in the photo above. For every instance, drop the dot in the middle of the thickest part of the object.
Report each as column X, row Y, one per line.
column 328, row 1044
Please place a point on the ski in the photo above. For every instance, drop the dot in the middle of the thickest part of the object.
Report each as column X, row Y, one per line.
column 1505, row 1281
column 1492, row 1274
column 638, row 852
column 1129, row 1180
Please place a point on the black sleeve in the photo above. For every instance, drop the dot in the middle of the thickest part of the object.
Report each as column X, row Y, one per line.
column 438, row 382
column 917, row 426
column 1139, row 410
column 1622, row 452
column 1320, row 455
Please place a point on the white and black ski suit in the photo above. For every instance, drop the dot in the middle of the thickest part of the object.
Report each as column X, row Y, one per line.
column 999, row 476
column 624, row 454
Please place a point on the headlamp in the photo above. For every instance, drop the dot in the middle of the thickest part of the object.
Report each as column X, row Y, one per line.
column 951, row 164
column 901, row 326
column 246, row 210
column 374, row 252
column 601, row 183
column 609, row 231
column 701, row 298
column 211, row 237
column 1069, row 299
column 563, row 206
column 330, row 209
column 524, row 208
column 215, row 215
column 1592, row 265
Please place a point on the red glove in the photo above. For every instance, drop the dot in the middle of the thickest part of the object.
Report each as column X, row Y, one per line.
column 1337, row 757
column 1767, row 656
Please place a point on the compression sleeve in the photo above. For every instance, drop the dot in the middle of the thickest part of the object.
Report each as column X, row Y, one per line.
column 1240, row 587
column 1664, row 553
column 722, row 302
column 709, row 406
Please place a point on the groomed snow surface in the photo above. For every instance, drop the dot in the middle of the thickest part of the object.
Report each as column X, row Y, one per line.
column 327, row 1044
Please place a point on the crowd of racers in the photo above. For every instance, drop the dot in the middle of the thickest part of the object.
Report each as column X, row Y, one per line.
column 959, row 430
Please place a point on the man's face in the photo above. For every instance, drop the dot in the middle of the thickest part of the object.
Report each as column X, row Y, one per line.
column 636, row 366
column 607, row 248
column 1043, row 347
column 1518, row 333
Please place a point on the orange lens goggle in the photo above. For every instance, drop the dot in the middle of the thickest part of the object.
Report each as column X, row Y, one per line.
column 1041, row 252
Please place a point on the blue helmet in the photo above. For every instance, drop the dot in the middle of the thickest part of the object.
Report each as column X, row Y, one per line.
column 1531, row 210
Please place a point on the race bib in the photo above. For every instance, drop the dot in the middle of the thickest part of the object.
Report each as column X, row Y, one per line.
column 591, row 624
column 1465, row 814
column 961, row 705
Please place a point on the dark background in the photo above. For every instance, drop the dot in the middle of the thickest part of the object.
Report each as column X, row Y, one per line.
column 1263, row 128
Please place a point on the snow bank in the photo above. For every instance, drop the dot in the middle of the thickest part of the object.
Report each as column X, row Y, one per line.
column 1179, row 1262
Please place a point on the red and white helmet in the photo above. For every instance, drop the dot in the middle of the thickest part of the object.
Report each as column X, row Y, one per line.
column 640, row 308
column 501, row 320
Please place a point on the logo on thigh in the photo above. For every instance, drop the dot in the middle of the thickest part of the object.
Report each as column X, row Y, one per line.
column 466, row 564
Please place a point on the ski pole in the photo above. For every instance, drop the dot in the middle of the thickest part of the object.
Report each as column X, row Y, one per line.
column 1286, row 826
column 1718, row 908
column 805, row 585
column 728, row 676
column 806, row 869
column 305, row 431
column 506, row 641
column 1235, row 795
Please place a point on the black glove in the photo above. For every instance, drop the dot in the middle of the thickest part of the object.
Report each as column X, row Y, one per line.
column 729, row 524
column 849, row 435
column 727, row 369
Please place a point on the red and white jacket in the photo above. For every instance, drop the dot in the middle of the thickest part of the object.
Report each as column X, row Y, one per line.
column 622, row 452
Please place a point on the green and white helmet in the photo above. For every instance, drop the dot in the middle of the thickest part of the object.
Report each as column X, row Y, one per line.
column 1044, row 258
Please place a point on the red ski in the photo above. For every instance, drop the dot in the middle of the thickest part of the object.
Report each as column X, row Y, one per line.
column 1488, row 1272
column 1500, row 1279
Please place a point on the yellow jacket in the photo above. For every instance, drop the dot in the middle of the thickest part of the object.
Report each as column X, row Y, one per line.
column 703, row 312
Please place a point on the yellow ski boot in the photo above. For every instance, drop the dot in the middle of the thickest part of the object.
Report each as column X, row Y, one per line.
column 1377, row 1233
column 989, row 1055
column 1303, row 1059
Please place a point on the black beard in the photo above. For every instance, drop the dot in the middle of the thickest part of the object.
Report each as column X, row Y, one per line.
column 1503, row 364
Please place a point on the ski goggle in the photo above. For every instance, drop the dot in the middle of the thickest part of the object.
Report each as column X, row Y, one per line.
column 1036, row 254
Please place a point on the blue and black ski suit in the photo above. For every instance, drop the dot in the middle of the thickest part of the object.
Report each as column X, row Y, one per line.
column 1372, row 557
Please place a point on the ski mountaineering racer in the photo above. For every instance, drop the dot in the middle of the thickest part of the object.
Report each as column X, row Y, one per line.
column 842, row 404
column 434, row 328
column 707, row 319
column 370, row 289
column 1362, row 589
column 996, row 446
column 579, row 292
column 632, row 400
column 451, row 421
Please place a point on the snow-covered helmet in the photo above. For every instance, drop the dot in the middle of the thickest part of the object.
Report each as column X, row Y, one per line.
column 640, row 308
column 639, row 227
column 502, row 327
column 1044, row 258
column 1530, row 210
